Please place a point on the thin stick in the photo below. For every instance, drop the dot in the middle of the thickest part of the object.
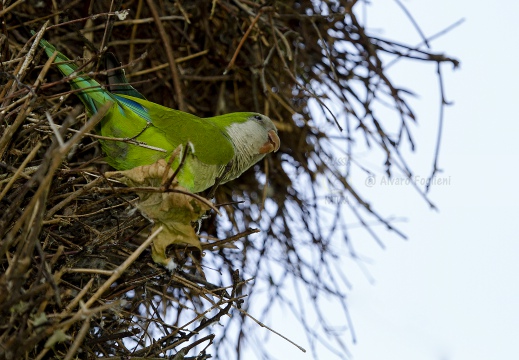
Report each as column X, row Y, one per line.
column 270, row 329
column 71, row 197
column 163, row 66
column 26, row 108
column 55, row 129
column 169, row 53
column 165, row 182
column 79, row 296
column 149, row 189
column 219, row 243
column 9, row 8
column 57, row 158
column 91, row 271
column 20, row 169
column 78, row 339
column 126, row 140
column 134, row 30
column 119, row 271
column 245, row 36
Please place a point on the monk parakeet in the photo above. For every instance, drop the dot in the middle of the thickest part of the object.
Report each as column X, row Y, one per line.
column 222, row 147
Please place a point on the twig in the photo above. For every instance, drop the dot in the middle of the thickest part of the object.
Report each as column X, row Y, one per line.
column 413, row 21
column 71, row 197
column 90, row 271
column 169, row 53
column 59, row 154
column 11, row 7
column 135, row 22
column 245, row 36
column 78, row 298
column 118, row 272
column 220, row 243
column 55, row 129
column 78, row 339
column 177, row 61
column 443, row 103
column 20, row 169
column 166, row 182
column 272, row 330
column 148, row 189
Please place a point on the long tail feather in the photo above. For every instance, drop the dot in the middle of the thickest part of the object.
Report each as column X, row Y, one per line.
column 93, row 96
column 117, row 78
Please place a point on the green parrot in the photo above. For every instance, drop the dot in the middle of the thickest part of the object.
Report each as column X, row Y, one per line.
column 221, row 147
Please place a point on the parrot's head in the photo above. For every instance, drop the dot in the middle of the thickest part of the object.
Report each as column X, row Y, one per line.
column 266, row 127
column 253, row 136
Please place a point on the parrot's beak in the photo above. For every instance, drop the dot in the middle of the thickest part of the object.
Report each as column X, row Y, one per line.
column 272, row 144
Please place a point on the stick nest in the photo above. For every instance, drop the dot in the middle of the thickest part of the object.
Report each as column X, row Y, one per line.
column 77, row 278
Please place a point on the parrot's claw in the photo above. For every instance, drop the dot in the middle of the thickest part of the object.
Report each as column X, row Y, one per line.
column 171, row 265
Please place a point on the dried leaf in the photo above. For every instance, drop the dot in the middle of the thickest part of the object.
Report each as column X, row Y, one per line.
column 58, row 336
column 172, row 210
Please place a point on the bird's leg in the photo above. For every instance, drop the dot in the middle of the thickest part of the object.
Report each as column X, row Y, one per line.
column 198, row 223
column 218, row 180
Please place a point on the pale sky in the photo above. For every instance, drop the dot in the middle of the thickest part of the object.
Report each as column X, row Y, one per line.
column 451, row 291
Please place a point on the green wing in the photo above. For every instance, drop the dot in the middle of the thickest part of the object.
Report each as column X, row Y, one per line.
column 211, row 144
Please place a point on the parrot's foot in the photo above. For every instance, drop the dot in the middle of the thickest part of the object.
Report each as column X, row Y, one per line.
column 168, row 263
column 171, row 265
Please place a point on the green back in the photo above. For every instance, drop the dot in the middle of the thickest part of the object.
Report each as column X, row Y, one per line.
column 210, row 142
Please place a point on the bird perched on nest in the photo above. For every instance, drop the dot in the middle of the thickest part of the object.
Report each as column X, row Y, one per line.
column 222, row 147
column 219, row 149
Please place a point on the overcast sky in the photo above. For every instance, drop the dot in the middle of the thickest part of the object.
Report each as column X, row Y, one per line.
column 451, row 292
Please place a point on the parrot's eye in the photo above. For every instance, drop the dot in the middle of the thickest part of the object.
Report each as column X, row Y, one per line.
column 258, row 117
